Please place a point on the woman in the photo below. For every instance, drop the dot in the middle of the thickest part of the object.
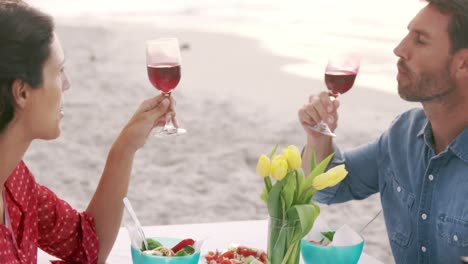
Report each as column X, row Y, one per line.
column 32, row 82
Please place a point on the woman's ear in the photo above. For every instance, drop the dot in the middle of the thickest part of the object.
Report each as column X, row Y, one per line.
column 20, row 92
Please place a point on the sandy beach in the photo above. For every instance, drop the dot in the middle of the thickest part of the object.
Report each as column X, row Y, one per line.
column 236, row 104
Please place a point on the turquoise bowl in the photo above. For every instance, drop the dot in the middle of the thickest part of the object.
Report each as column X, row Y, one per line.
column 139, row 258
column 317, row 254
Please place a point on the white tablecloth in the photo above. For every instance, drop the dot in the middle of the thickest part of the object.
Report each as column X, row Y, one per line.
column 217, row 236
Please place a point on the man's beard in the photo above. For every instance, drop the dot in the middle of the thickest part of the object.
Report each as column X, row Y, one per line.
column 429, row 87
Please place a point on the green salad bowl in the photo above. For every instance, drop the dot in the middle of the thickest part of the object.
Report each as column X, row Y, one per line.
column 319, row 254
column 139, row 257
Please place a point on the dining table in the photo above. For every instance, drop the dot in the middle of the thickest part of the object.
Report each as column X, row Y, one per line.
column 216, row 236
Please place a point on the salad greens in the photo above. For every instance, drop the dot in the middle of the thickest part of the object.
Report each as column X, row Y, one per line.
column 155, row 248
column 328, row 235
column 152, row 244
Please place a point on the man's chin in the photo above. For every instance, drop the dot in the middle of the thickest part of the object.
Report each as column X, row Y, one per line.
column 405, row 96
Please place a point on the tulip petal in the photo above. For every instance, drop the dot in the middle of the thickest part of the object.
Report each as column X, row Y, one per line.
column 279, row 167
column 263, row 166
column 330, row 178
column 293, row 156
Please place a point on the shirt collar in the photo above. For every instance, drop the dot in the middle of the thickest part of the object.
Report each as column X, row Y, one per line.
column 459, row 145
column 424, row 128
column 426, row 134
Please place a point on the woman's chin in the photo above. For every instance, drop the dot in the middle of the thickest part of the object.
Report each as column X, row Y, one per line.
column 57, row 133
column 51, row 134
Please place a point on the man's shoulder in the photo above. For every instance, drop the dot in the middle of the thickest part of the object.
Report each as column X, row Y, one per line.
column 411, row 121
column 413, row 114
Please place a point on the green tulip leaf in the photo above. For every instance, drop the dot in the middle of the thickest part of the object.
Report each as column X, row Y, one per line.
column 306, row 214
column 264, row 195
column 273, row 152
column 319, row 169
column 289, row 190
column 313, row 161
column 300, row 183
column 275, row 209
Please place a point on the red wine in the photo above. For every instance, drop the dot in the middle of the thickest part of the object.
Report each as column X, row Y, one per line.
column 339, row 82
column 164, row 76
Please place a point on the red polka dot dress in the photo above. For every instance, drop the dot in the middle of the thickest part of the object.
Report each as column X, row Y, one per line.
column 35, row 217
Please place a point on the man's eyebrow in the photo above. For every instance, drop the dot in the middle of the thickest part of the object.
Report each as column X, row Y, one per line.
column 422, row 33
column 419, row 31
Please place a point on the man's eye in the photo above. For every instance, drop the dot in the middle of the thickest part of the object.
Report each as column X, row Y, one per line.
column 419, row 41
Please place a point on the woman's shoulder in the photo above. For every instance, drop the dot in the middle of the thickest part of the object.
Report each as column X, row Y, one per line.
column 21, row 171
column 21, row 179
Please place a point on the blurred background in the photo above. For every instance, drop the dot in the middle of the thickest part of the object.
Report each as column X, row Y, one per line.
column 247, row 68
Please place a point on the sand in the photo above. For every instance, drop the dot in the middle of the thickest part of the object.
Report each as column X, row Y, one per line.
column 236, row 104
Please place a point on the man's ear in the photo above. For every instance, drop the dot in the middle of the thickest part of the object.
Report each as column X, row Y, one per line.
column 461, row 59
column 20, row 92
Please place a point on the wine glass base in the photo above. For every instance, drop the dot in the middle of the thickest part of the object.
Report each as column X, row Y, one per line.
column 170, row 132
column 323, row 128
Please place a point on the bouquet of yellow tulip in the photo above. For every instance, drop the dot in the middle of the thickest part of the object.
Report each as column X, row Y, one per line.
column 289, row 199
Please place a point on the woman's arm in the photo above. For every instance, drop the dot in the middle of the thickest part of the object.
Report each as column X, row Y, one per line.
column 106, row 206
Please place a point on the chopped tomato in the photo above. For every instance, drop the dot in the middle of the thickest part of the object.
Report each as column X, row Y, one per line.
column 220, row 259
column 212, row 256
column 228, row 254
column 234, row 256
column 182, row 244
column 244, row 251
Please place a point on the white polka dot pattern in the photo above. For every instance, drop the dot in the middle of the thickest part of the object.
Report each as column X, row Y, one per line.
column 40, row 219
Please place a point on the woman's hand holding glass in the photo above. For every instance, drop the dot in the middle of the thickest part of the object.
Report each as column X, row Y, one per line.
column 164, row 72
column 150, row 114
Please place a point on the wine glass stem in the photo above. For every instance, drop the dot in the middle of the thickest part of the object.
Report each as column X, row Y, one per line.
column 168, row 126
column 333, row 95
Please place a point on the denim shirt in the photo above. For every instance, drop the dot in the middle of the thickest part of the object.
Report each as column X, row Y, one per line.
column 424, row 196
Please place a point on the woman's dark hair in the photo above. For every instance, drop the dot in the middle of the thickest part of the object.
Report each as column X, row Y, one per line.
column 458, row 25
column 25, row 37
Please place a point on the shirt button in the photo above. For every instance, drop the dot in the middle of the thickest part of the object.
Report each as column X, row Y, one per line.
column 455, row 238
column 423, row 249
column 431, row 177
column 398, row 189
column 424, row 216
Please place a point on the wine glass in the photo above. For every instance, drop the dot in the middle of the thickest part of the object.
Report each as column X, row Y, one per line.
column 340, row 74
column 163, row 65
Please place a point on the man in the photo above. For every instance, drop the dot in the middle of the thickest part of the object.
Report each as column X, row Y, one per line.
column 420, row 164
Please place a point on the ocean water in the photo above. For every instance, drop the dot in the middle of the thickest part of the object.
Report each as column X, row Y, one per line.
column 308, row 30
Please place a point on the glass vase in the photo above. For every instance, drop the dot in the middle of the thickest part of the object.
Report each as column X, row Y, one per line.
column 284, row 241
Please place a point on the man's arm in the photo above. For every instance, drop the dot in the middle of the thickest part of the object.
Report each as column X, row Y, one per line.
column 321, row 148
column 362, row 181
column 361, row 163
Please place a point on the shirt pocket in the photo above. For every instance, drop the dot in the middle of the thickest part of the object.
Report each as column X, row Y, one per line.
column 453, row 230
column 397, row 203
